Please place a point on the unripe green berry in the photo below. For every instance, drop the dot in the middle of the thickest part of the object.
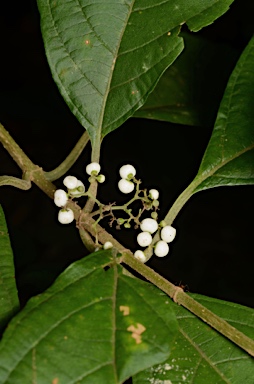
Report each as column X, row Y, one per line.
column 156, row 203
column 154, row 215
column 127, row 225
column 100, row 178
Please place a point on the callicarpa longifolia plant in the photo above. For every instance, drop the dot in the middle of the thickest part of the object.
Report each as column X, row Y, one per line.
column 110, row 318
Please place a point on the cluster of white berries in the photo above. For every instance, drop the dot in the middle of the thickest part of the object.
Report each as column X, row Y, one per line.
column 144, row 239
column 127, row 173
column 148, row 226
column 75, row 188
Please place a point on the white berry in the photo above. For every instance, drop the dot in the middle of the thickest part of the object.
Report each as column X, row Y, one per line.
column 60, row 198
column 78, row 191
column 126, row 186
column 93, row 168
column 154, row 194
column 65, row 216
column 108, row 245
column 127, row 171
column 70, row 182
column 161, row 249
column 168, row 233
column 149, row 225
column 144, row 239
column 140, row 256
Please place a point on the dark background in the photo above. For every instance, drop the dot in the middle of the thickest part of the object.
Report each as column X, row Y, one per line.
column 213, row 252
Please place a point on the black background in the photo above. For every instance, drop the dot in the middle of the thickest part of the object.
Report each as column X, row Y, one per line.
column 213, row 252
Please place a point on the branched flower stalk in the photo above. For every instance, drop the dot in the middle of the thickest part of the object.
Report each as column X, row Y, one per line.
column 93, row 234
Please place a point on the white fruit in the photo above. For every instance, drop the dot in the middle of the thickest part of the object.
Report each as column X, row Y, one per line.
column 168, row 233
column 161, row 249
column 144, row 239
column 126, row 186
column 65, row 216
column 127, row 171
column 149, row 225
column 108, row 245
column 70, row 182
column 93, row 168
column 140, row 256
column 60, row 198
column 79, row 190
column 154, row 194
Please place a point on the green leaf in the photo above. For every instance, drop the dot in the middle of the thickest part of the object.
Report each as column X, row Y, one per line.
column 9, row 302
column 191, row 89
column 94, row 325
column 229, row 157
column 200, row 354
column 106, row 57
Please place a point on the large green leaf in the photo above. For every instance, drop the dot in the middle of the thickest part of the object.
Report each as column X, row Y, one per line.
column 94, row 325
column 106, row 57
column 201, row 355
column 9, row 302
column 191, row 89
column 229, row 157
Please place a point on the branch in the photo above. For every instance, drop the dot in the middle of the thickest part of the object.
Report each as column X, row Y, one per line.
column 182, row 298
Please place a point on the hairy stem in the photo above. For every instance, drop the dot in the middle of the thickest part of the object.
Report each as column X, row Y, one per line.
column 70, row 159
column 32, row 172
column 182, row 298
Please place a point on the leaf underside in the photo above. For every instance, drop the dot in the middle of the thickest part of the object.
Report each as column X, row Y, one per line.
column 9, row 302
column 106, row 57
column 88, row 328
column 200, row 354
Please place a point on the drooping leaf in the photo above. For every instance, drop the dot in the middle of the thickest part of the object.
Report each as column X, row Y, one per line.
column 190, row 90
column 229, row 157
column 201, row 355
column 9, row 302
column 106, row 57
column 94, row 325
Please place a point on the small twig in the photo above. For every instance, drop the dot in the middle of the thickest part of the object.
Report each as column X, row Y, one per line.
column 70, row 159
column 15, row 182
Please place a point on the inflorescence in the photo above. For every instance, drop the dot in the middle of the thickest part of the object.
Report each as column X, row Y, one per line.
column 127, row 184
